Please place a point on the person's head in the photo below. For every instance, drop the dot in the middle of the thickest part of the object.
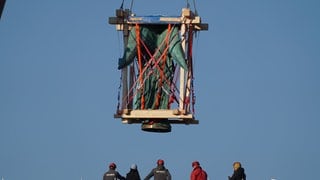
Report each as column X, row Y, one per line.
column 195, row 164
column 112, row 166
column 236, row 165
column 133, row 166
column 160, row 162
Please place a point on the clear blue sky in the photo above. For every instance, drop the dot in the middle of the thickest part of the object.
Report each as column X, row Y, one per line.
column 257, row 85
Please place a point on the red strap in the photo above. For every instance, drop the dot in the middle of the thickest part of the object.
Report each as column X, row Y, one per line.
column 140, row 64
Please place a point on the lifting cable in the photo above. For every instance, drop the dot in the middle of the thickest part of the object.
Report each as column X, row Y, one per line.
column 121, row 6
column 131, row 5
column 188, row 5
column 194, row 6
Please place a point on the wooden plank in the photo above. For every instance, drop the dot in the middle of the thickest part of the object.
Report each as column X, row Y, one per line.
column 187, row 17
column 153, row 114
column 171, row 121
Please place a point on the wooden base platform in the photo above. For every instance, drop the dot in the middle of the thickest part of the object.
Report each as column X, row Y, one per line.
column 173, row 116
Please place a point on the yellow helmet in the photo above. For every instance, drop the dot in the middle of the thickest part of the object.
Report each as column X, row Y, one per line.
column 236, row 165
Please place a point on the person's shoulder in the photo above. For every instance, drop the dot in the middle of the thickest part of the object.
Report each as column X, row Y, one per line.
column 154, row 169
column 241, row 169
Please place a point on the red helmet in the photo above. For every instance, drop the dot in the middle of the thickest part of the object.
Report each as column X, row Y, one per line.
column 112, row 166
column 160, row 162
column 195, row 163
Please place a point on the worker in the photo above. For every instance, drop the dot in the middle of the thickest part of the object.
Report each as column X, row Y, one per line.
column 198, row 173
column 238, row 172
column 160, row 172
column 112, row 174
column 133, row 174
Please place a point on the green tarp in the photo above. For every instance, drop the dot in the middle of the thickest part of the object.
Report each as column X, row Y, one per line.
column 154, row 37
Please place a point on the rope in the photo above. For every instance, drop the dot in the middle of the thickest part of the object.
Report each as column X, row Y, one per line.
column 140, row 63
column 143, row 68
column 164, row 58
column 189, row 86
column 154, row 63
column 152, row 59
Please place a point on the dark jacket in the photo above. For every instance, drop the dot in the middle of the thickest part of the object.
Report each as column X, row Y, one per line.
column 112, row 174
column 133, row 174
column 159, row 173
column 238, row 174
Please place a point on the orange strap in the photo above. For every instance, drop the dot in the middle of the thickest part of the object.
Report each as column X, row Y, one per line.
column 140, row 64
column 163, row 65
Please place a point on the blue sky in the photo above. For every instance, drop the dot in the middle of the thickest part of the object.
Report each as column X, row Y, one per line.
column 256, row 81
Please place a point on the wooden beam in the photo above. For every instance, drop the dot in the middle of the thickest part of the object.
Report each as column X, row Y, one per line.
column 171, row 121
column 153, row 114
column 187, row 17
